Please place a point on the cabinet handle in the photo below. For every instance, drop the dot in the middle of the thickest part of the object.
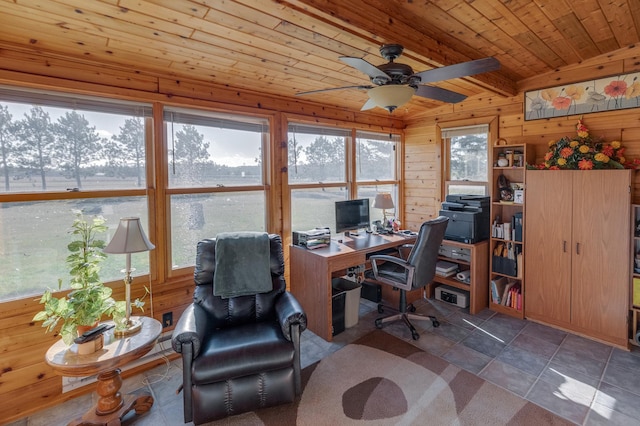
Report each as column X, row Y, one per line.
column 577, row 248
column 564, row 246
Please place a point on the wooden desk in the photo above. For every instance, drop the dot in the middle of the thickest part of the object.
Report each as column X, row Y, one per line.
column 116, row 352
column 311, row 273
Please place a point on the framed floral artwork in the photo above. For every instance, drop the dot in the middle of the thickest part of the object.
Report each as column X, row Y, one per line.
column 604, row 94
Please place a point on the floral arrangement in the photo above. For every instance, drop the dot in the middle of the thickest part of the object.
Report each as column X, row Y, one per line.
column 585, row 153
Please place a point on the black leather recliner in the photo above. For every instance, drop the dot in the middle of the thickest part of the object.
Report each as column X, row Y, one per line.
column 238, row 354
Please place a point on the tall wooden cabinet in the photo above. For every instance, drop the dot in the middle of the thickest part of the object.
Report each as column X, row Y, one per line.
column 578, row 269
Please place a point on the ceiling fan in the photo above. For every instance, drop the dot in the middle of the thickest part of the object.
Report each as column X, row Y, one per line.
column 393, row 83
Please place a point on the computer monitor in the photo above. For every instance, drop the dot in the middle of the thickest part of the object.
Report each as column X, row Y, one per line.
column 352, row 215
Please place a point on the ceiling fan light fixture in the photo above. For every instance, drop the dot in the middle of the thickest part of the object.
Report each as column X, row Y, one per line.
column 391, row 96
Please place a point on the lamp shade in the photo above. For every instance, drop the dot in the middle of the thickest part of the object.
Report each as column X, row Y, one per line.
column 383, row 201
column 129, row 238
column 391, row 96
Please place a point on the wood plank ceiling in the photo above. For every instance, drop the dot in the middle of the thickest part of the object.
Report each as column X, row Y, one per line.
column 288, row 46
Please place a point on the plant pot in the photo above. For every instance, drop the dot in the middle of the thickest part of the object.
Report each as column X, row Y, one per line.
column 84, row 328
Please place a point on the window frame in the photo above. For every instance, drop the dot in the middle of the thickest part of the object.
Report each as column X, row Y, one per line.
column 169, row 191
column 351, row 183
column 94, row 103
column 445, row 148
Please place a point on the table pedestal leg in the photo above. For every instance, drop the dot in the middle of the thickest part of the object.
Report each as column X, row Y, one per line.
column 112, row 406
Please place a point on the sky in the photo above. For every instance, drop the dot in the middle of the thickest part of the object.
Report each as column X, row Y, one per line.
column 228, row 147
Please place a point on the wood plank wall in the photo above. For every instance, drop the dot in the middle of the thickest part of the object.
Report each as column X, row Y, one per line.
column 423, row 156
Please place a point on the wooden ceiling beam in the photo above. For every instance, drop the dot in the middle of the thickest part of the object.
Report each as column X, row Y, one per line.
column 367, row 19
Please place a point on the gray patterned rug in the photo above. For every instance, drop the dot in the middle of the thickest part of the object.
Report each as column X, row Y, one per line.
column 382, row 380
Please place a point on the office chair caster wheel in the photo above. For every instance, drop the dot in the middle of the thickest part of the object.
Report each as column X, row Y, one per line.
column 412, row 308
column 379, row 323
column 380, row 309
column 415, row 335
column 435, row 323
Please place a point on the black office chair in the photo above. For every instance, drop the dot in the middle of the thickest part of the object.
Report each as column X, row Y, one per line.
column 415, row 272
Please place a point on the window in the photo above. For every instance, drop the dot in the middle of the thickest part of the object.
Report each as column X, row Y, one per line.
column 60, row 153
column 466, row 151
column 317, row 174
column 376, row 168
column 216, row 178
column 317, row 154
column 321, row 171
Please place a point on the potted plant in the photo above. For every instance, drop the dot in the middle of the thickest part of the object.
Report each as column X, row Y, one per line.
column 89, row 299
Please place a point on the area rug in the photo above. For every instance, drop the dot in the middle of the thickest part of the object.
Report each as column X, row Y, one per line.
column 382, row 380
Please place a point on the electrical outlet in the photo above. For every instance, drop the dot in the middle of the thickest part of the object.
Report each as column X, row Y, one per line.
column 167, row 319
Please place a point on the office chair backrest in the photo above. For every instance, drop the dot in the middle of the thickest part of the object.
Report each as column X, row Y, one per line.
column 242, row 309
column 424, row 254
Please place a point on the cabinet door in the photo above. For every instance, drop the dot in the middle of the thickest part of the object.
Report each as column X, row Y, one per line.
column 548, row 241
column 601, row 223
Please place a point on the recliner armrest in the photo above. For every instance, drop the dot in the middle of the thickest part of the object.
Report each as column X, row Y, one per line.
column 290, row 312
column 190, row 328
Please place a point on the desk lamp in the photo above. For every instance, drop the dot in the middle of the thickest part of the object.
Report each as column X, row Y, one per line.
column 129, row 238
column 383, row 201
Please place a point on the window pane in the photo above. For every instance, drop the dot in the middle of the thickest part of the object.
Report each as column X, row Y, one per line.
column 468, row 157
column 33, row 247
column 47, row 148
column 195, row 217
column 370, row 191
column 375, row 157
column 316, row 157
column 209, row 151
column 311, row 208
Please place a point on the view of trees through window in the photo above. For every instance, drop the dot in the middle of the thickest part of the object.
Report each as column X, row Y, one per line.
column 318, row 171
column 468, row 161
column 53, row 148
column 60, row 153
column 215, row 177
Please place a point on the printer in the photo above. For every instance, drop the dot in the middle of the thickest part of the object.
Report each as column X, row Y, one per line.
column 469, row 218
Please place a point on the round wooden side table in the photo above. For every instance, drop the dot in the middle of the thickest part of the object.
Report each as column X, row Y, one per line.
column 116, row 352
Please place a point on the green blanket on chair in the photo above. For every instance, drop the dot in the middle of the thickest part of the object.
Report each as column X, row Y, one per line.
column 242, row 264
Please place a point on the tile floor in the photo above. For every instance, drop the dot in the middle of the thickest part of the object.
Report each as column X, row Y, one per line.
column 586, row 382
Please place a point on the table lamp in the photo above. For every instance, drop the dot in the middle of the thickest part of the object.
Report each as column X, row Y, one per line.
column 129, row 238
column 383, row 201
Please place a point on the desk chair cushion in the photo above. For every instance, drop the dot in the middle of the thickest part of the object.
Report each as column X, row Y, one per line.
column 393, row 271
column 241, row 351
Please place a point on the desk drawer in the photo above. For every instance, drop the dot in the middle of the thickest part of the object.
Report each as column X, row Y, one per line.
column 345, row 261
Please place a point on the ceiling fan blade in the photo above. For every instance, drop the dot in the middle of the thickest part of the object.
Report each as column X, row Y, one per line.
column 440, row 94
column 459, row 70
column 364, row 66
column 370, row 104
column 360, row 87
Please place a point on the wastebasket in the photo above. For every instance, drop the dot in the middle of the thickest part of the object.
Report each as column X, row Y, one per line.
column 351, row 301
column 337, row 311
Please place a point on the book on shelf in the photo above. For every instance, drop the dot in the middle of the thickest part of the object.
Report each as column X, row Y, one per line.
column 513, row 295
column 497, row 288
column 446, row 269
column 506, row 295
column 636, row 291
